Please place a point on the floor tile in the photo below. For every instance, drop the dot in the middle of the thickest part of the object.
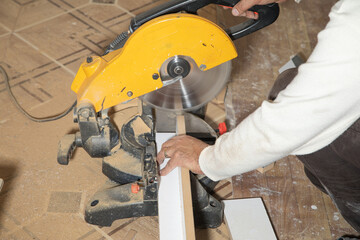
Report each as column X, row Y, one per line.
column 134, row 5
column 136, row 8
column 9, row 11
column 20, row 211
column 59, row 226
column 209, row 12
column 4, row 44
column 19, row 234
column 37, row 11
column 142, row 228
column 109, row 17
column 7, row 223
column 76, row 3
column 34, row 79
column 29, row 60
column 64, row 202
column 46, row 35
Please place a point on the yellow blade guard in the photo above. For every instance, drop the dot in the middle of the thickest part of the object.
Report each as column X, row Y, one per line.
column 127, row 73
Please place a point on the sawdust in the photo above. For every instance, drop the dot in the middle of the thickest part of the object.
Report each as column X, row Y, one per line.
column 336, row 216
column 263, row 191
column 139, row 127
column 124, row 161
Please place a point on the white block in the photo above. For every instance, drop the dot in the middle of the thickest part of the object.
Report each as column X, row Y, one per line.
column 247, row 219
column 171, row 212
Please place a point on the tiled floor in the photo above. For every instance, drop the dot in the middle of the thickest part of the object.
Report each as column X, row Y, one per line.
column 42, row 44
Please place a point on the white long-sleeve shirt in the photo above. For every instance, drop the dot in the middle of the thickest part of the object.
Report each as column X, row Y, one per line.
column 320, row 103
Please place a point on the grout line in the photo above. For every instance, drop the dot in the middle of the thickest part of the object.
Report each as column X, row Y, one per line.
column 104, row 234
column 5, row 34
column 82, row 201
column 50, row 18
column 45, row 54
column 31, row 234
column 24, row 224
column 6, row 28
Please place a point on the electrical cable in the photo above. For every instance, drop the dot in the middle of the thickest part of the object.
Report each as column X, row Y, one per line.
column 22, row 110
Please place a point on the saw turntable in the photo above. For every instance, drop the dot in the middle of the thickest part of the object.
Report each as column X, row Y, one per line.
column 175, row 62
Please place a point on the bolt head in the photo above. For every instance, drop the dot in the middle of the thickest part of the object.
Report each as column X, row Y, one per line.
column 85, row 113
column 155, row 76
column 129, row 93
column 89, row 59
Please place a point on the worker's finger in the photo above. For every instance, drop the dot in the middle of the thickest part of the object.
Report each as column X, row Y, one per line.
column 164, row 149
column 167, row 151
column 241, row 7
column 170, row 165
column 161, row 156
column 251, row 14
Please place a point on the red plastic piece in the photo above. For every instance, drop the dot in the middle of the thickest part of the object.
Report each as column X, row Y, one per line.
column 224, row 6
column 135, row 188
column 222, row 128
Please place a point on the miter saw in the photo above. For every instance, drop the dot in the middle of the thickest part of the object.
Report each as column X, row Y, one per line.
column 175, row 62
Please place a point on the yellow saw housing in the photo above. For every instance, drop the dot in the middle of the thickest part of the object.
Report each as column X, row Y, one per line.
column 127, row 73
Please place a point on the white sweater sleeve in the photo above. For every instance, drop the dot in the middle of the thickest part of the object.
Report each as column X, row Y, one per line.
column 318, row 106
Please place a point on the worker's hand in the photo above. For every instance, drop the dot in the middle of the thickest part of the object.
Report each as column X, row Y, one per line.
column 241, row 8
column 183, row 151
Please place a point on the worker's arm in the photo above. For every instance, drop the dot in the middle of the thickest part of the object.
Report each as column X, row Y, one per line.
column 318, row 106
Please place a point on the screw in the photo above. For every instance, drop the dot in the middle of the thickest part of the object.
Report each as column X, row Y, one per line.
column 129, row 93
column 202, row 67
column 89, row 59
column 155, row 76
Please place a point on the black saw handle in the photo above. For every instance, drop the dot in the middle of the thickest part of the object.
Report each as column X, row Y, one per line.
column 267, row 15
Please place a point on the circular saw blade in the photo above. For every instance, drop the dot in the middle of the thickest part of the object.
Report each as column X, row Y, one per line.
column 189, row 92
